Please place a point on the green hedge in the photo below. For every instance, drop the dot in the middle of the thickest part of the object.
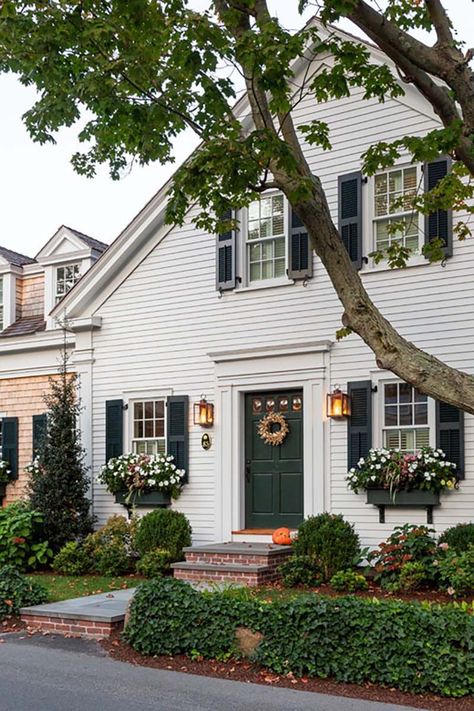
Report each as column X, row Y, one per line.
column 414, row 647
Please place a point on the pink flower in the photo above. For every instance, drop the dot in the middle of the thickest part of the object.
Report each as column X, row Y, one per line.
column 444, row 546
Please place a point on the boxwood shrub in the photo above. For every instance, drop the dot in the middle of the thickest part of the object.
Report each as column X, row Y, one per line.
column 417, row 647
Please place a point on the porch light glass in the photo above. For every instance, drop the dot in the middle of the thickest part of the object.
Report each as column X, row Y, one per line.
column 203, row 413
column 338, row 404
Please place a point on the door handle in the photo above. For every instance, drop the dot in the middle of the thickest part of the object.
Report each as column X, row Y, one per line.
column 248, row 463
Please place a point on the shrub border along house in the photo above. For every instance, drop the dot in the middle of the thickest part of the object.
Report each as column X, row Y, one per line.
column 411, row 646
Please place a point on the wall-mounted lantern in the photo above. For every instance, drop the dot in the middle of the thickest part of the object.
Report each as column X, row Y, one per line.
column 338, row 404
column 203, row 413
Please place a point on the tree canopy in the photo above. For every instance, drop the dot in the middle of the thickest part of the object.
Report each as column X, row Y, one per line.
column 140, row 72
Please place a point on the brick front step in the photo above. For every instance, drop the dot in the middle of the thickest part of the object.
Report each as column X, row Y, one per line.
column 243, row 563
column 92, row 616
column 250, row 575
column 239, row 554
column 89, row 629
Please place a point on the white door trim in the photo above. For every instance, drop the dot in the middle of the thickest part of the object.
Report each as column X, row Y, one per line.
column 239, row 374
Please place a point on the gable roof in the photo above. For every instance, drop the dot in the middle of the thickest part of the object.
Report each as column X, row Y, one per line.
column 90, row 241
column 148, row 227
column 15, row 258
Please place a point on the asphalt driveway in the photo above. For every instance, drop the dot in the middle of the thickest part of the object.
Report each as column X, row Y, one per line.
column 49, row 673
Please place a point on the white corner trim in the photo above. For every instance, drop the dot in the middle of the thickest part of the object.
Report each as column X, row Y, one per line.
column 284, row 349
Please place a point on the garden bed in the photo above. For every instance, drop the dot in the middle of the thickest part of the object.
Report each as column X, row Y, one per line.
column 245, row 671
column 11, row 624
column 277, row 591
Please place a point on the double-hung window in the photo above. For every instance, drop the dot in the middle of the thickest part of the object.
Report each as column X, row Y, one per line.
column 393, row 195
column 267, row 227
column 148, row 427
column 66, row 277
column 406, row 417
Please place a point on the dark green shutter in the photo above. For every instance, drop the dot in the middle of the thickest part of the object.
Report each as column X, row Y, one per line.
column 177, row 431
column 225, row 256
column 300, row 255
column 113, row 429
column 438, row 224
column 450, row 434
column 39, row 433
column 359, row 424
column 350, row 215
column 10, row 444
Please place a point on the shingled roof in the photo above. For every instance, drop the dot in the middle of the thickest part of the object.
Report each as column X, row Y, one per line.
column 24, row 327
column 15, row 258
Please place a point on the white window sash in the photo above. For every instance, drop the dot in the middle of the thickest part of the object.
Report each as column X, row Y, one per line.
column 244, row 252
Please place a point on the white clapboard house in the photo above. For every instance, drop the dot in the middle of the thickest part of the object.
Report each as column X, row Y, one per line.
column 250, row 318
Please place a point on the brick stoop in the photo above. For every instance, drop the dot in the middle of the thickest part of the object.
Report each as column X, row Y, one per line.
column 90, row 629
column 92, row 616
column 243, row 563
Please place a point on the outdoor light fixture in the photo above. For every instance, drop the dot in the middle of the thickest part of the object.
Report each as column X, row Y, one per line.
column 203, row 413
column 338, row 404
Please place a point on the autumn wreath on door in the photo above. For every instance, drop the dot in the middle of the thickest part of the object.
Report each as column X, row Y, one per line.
column 266, row 431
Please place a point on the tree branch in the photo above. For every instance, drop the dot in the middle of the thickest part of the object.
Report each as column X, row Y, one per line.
column 440, row 21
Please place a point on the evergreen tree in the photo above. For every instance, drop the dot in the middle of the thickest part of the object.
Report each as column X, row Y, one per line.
column 58, row 478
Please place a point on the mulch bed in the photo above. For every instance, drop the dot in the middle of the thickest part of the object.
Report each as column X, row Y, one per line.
column 375, row 590
column 11, row 624
column 243, row 670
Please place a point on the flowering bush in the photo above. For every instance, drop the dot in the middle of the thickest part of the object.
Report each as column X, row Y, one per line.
column 407, row 544
column 392, row 469
column 5, row 473
column 139, row 474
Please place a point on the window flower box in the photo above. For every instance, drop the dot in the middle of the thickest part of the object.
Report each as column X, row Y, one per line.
column 152, row 499
column 410, row 498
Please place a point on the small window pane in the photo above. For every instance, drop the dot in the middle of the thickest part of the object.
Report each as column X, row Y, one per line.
column 392, row 439
column 407, row 440
column 149, row 428
column 422, row 438
column 149, row 409
column 280, row 268
column 159, row 408
column 391, row 415
column 279, row 247
column 405, row 392
column 405, row 415
column 421, row 414
column 138, row 429
column 159, row 428
column 267, row 250
column 420, row 397
column 381, row 184
column 138, row 410
column 390, row 393
column 255, row 272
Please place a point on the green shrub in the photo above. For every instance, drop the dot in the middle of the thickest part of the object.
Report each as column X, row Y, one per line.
column 19, row 543
column 348, row 581
column 300, row 570
column 456, row 572
column 164, row 528
column 154, row 563
column 459, row 537
column 330, row 541
column 17, row 591
column 413, row 575
column 112, row 548
column 407, row 544
column 351, row 639
column 72, row 559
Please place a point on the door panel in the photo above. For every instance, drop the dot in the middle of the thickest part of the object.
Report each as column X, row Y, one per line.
column 274, row 474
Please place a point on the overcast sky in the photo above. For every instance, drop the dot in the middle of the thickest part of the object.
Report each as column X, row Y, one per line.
column 40, row 191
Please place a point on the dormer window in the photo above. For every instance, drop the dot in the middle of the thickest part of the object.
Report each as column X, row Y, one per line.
column 66, row 277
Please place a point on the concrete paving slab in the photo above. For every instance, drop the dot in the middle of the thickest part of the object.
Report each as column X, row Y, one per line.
column 104, row 607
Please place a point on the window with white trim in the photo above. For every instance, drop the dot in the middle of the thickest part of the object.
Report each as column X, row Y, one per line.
column 267, row 227
column 389, row 188
column 66, row 277
column 148, row 426
column 406, row 417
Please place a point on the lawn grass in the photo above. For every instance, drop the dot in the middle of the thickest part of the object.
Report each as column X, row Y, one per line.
column 65, row 587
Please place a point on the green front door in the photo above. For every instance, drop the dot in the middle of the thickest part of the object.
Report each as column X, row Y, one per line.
column 274, row 473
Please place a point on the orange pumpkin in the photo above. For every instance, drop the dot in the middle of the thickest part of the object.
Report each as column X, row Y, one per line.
column 282, row 537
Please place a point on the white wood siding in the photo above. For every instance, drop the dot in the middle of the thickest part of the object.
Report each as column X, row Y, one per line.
column 161, row 323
